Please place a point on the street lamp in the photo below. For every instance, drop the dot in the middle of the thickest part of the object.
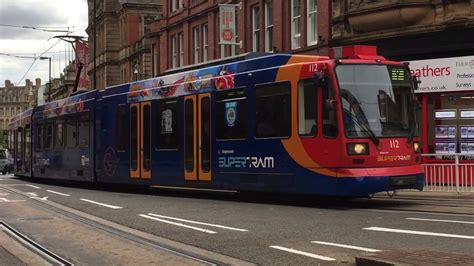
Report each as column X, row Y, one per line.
column 49, row 86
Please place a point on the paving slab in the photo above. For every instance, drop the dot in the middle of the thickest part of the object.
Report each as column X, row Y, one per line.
column 414, row 257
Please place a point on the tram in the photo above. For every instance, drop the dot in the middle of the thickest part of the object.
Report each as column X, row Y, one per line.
column 343, row 125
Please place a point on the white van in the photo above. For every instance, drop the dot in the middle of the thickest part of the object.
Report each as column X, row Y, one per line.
column 6, row 161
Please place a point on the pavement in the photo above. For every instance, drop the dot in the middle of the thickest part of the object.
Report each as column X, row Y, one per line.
column 413, row 257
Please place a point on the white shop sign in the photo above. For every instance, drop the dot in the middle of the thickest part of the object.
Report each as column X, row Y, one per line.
column 445, row 74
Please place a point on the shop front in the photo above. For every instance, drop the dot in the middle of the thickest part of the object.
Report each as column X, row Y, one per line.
column 446, row 94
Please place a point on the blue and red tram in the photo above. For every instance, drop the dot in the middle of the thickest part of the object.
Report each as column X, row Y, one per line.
column 273, row 123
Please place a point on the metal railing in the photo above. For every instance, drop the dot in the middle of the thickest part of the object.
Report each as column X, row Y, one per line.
column 451, row 174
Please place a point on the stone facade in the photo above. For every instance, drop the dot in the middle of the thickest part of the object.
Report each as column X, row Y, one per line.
column 406, row 29
column 63, row 87
column 123, row 52
column 16, row 99
column 195, row 24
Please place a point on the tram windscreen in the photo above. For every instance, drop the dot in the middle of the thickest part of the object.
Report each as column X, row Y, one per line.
column 377, row 101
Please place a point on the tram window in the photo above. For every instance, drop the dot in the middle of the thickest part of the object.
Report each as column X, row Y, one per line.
column 330, row 128
column 189, row 134
column 273, row 110
column 231, row 114
column 19, row 140
column 27, row 147
column 71, row 132
column 59, row 134
column 134, row 138
column 48, row 135
column 307, row 108
column 123, row 129
column 167, row 137
column 39, row 136
column 83, row 130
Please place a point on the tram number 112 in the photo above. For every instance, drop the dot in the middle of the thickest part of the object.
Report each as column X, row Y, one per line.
column 394, row 144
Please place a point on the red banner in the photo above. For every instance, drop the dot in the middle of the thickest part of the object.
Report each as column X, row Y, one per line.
column 82, row 58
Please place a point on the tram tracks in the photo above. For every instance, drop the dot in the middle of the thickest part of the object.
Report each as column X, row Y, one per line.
column 144, row 239
column 33, row 246
column 427, row 205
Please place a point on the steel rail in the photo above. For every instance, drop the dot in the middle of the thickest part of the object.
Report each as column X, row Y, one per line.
column 120, row 233
column 34, row 246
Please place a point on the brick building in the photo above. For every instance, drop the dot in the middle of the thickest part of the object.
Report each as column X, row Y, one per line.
column 16, row 99
column 123, row 53
column 187, row 33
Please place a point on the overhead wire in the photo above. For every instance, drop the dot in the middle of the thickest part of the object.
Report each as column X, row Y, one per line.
column 35, row 28
column 34, row 60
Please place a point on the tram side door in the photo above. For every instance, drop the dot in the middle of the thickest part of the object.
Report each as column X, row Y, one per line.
column 140, row 140
column 197, row 137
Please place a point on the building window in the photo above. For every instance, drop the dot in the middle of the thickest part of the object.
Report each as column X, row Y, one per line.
column 174, row 54
column 312, row 26
column 295, row 24
column 268, row 26
column 197, row 47
column 181, row 49
column 255, row 28
column 155, row 62
column 271, row 122
column 205, row 43
column 176, row 4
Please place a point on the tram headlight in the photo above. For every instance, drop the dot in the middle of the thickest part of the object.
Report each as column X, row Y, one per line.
column 357, row 148
column 416, row 147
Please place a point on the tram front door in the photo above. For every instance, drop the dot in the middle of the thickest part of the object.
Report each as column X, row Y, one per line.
column 140, row 144
column 197, row 137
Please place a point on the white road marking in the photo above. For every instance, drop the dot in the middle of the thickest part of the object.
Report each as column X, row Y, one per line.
column 419, row 212
column 59, row 193
column 307, row 254
column 194, row 222
column 32, row 194
column 33, row 186
column 102, row 204
column 178, row 224
column 7, row 200
column 437, row 220
column 38, row 198
column 346, row 246
column 416, row 232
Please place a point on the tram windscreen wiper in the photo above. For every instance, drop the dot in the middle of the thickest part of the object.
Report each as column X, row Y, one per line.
column 365, row 128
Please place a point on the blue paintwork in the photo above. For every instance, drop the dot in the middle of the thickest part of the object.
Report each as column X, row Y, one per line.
column 112, row 166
